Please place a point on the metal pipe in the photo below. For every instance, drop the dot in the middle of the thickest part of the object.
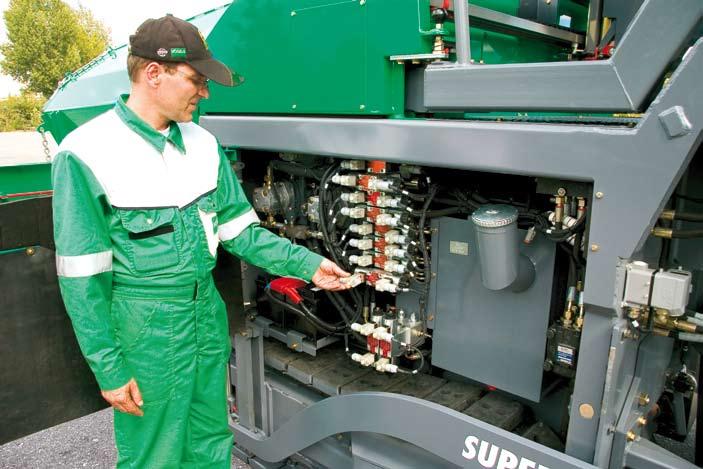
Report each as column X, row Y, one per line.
column 463, row 38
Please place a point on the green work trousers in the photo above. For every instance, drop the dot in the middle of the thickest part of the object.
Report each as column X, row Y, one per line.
column 176, row 344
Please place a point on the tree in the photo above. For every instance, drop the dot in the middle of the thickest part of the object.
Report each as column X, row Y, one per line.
column 47, row 39
column 20, row 112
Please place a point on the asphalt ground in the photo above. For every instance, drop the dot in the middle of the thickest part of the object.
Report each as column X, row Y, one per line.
column 87, row 442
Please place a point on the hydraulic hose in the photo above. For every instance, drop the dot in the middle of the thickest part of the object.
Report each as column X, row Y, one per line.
column 670, row 233
column 306, row 314
column 675, row 215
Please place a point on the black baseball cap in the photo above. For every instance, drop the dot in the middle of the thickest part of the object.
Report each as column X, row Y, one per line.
column 170, row 39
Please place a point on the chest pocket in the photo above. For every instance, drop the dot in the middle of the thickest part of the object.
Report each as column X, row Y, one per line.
column 208, row 217
column 151, row 238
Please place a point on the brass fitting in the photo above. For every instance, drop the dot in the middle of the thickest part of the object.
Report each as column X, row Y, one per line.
column 631, row 436
column 667, row 215
column 642, row 421
column 643, row 399
column 634, row 313
column 661, row 232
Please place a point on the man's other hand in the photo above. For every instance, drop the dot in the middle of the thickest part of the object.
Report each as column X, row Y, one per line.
column 126, row 399
column 328, row 276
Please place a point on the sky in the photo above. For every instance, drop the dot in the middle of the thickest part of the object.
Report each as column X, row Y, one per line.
column 122, row 18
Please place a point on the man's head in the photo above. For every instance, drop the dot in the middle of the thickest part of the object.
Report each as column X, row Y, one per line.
column 169, row 64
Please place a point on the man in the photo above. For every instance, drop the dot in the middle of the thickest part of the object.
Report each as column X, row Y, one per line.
column 142, row 198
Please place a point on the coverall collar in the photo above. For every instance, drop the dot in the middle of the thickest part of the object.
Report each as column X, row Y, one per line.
column 146, row 131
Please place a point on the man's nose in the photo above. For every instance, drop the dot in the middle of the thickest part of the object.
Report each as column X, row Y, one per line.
column 204, row 92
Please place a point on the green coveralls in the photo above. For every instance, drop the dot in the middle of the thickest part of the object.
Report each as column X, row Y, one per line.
column 138, row 215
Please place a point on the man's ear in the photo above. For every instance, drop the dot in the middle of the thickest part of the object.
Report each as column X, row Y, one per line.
column 152, row 74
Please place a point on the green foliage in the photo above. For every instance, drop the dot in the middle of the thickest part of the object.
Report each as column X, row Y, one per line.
column 47, row 39
column 21, row 112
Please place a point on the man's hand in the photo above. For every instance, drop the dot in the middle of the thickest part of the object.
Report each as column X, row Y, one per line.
column 126, row 399
column 328, row 276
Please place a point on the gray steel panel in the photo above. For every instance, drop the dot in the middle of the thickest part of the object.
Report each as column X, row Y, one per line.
column 618, row 161
column 406, row 418
column 476, row 329
column 618, row 84
column 590, row 377
column 539, row 86
column 386, row 452
column 455, row 395
column 542, row 434
column 643, row 454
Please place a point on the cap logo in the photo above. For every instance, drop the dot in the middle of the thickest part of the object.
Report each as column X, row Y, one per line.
column 161, row 52
column 178, row 53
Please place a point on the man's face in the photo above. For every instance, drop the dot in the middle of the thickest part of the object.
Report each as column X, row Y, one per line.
column 180, row 91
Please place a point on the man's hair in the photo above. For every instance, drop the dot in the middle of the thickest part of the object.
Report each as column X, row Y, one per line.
column 135, row 64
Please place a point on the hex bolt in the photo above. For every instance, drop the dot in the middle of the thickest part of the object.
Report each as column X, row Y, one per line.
column 561, row 192
column 362, row 2
column 294, row 106
column 642, row 421
column 631, row 436
column 294, row 345
column 293, row 13
column 599, row 195
column 362, row 107
column 595, row 247
column 30, row 251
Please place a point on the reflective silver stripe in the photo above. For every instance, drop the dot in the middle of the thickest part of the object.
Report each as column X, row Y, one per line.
column 85, row 265
column 234, row 227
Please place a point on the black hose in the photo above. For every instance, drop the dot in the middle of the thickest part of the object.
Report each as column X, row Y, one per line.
column 688, row 216
column 306, row 314
column 687, row 234
column 296, row 169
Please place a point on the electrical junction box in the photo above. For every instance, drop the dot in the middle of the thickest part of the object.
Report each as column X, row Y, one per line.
column 671, row 290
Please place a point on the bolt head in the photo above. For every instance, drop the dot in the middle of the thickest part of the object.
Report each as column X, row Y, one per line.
column 595, row 247
column 561, row 192
column 293, row 13
column 599, row 195
column 30, row 251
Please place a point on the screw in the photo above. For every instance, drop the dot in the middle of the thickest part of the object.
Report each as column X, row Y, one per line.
column 362, row 107
column 561, row 192
column 30, row 251
column 631, row 436
column 293, row 13
column 642, row 421
column 294, row 106
column 294, row 345
column 362, row 2
column 595, row 247
column 599, row 195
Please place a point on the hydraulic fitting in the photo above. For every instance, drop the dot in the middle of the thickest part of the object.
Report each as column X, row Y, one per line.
column 394, row 267
column 395, row 251
column 362, row 261
column 363, row 243
column 363, row 329
column 394, row 237
column 356, row 165
column 366, row 359
column 386, row 219
column 385, row 201
column 354, row 197
column 384, row 365
column 348, row 180
column 353, row 212
column 362, row 229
